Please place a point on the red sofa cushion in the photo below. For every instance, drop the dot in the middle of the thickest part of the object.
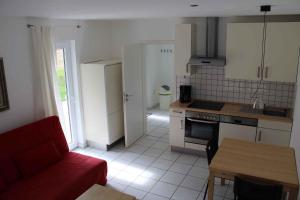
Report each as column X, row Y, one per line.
column 3, row 185
column 37, row 159
column 26, row 137
column 8, row 170
column 21, row 139
column 65, row 180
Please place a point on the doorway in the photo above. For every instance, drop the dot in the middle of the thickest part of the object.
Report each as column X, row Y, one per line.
column 159, row 84
column 65, row 77
column 146, row 68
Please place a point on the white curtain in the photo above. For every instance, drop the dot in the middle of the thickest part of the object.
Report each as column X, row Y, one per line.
column 44, row 58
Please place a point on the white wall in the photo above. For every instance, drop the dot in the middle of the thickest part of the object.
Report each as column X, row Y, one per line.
column 97, row 40
column 295, row 140
column 133, row 31
column 92, row 39
column 15, row 48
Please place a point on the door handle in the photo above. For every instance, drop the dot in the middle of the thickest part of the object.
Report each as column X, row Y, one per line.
column 259, row 136
column 266, row 72
column 181, row 124
column 187, row 68
column 175, row 111
column 128, row 95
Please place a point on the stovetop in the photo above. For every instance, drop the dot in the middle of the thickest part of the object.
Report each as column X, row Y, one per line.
column 209, row 105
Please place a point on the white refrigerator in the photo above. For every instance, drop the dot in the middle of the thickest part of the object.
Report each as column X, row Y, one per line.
column 102, row 99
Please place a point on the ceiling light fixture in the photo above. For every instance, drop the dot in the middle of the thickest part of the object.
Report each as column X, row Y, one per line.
column 264, row 9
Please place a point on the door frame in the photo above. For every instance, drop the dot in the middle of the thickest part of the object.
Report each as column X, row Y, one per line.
column 173, row 77
column 173, row 74
column 72, row 79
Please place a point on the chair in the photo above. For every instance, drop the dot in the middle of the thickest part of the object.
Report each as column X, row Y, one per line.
column 211, row 150
column 247, row 189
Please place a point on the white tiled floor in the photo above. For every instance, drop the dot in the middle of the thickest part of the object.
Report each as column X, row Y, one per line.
column 148, row 169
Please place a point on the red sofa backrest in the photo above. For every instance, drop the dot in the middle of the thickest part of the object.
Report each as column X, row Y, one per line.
column 31, row 135
column 20, row 140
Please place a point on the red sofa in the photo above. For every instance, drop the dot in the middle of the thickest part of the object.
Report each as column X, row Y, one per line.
column 35, row 163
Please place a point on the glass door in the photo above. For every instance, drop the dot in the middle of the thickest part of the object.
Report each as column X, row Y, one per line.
column 65, row 81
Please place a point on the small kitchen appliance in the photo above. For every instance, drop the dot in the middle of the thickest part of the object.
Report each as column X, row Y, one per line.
column 185, row 93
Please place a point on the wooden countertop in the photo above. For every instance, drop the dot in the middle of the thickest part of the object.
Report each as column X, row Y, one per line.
column 233, row 109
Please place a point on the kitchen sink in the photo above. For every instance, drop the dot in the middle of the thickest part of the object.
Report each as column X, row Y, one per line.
column 250, row 109
column 272, row 111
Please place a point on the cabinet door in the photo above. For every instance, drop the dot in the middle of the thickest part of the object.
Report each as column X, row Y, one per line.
column 282, row 51
column 243, row 51
column 113, row 88
column 183, row 48
column 236, row 132
column 271, row 136
column 177, row 131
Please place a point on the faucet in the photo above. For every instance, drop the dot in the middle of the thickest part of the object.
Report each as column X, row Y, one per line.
column 258, row 103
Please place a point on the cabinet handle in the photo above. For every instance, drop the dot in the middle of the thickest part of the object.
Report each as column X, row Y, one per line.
column 259, row 136
column 175, row 111
column 266, row 72
column 181, row 124
column 187, row 68
column 258, row 72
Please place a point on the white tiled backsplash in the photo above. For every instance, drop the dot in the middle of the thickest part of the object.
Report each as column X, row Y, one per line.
column 208, row 83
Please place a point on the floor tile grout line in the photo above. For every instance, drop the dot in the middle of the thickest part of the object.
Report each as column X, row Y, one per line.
column 163, row 138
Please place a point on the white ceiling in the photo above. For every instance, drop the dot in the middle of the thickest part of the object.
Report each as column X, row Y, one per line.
column 126, row 9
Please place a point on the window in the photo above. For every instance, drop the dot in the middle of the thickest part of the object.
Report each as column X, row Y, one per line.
column 66, row 81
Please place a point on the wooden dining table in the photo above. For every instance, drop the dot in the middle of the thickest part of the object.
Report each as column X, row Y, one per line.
column 269, row 163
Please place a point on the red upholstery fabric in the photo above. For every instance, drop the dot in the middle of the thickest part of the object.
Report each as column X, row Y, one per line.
column 65, row 180
column 35, row 160
column 31, row 135
column 8, row 170
column 2, row 184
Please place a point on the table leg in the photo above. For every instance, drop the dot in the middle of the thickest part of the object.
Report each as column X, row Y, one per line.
column 293, row 194
column 211, row 184
column 222, row 181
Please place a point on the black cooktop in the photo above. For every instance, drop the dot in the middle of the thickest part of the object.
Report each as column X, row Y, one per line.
column 209, row 105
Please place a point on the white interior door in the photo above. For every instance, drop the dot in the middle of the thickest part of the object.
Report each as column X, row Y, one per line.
column 133, row 99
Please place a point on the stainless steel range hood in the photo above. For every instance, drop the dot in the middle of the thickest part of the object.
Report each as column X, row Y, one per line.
column 211, row 57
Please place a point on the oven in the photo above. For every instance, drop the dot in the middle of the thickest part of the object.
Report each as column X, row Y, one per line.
column 201, row 127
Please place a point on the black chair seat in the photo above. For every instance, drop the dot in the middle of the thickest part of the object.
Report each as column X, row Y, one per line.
column 248, row 189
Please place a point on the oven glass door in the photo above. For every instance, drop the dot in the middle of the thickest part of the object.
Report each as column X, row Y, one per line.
column 201, row 129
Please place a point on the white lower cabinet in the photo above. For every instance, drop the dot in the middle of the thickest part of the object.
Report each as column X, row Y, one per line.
column 177, row 121
column 272, row 132
column 237, row 132
column 267, row 132
column 271, row 136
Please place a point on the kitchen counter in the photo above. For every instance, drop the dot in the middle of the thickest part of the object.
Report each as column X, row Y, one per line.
column 233, row 109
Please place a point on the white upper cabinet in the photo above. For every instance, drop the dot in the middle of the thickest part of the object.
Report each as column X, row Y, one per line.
column 282, row 51
column 183, row 48
column 243, row 51
column 244, row 46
